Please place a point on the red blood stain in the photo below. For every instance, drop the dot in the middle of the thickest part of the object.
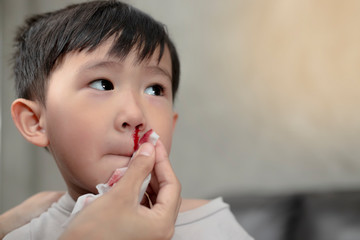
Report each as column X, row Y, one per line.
column 115, row 177
column 144, row 138
column 136, row 138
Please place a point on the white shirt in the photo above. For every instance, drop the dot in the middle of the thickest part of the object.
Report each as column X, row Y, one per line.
column 212, row 221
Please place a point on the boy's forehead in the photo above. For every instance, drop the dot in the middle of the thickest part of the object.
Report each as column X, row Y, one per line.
column 102, row 56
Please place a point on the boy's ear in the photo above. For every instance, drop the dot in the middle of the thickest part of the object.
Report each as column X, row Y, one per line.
column 27, row 116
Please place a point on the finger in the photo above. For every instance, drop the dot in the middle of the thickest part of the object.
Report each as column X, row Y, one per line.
column 154, row 183
column 153, row 188
column 151, row 193
column 139, row 168
column 161, row 155
column 168, row 198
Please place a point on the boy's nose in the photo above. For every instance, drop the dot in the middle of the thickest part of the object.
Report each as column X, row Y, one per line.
column 130, row 114
column 126, row 125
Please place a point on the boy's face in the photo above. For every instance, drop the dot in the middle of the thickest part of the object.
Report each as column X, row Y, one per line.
column 94, row 104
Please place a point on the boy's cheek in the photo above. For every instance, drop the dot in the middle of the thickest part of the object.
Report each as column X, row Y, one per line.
column 166, row 135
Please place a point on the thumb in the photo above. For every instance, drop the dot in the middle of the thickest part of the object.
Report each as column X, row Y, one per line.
column 139, row 168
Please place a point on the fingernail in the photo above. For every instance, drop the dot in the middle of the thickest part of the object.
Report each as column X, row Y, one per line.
column 146, row 149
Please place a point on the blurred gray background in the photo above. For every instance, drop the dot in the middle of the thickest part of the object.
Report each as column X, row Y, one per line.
column 268, row 99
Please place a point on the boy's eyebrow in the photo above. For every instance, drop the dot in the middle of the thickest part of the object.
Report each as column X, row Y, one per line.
column 160, row 70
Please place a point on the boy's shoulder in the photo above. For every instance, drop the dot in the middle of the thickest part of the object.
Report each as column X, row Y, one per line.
column 210, row 220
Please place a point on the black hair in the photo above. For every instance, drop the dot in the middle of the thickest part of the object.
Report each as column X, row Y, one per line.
column 46, row 38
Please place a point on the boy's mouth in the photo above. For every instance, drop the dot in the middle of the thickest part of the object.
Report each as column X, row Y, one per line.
column 149, row 136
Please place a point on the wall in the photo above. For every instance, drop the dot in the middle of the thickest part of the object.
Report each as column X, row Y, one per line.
column 267, row 103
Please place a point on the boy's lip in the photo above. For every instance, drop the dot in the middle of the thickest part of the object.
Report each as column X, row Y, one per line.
column 123, row 149
column 122, row 154
column 127, row 150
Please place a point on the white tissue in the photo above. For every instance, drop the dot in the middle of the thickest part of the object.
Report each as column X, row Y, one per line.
column 102, row 188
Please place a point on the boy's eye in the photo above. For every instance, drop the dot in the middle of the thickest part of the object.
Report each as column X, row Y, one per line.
column 155, row 90
column 102, row 84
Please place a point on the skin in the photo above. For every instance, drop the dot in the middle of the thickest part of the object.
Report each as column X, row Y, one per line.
column 89, row 128
column 155, row 223
column 94, row 103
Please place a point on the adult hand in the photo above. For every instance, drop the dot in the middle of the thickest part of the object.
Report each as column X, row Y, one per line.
column 118, row 214
column 27, row 210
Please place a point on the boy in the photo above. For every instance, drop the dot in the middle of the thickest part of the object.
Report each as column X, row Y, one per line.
column 91, row 79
